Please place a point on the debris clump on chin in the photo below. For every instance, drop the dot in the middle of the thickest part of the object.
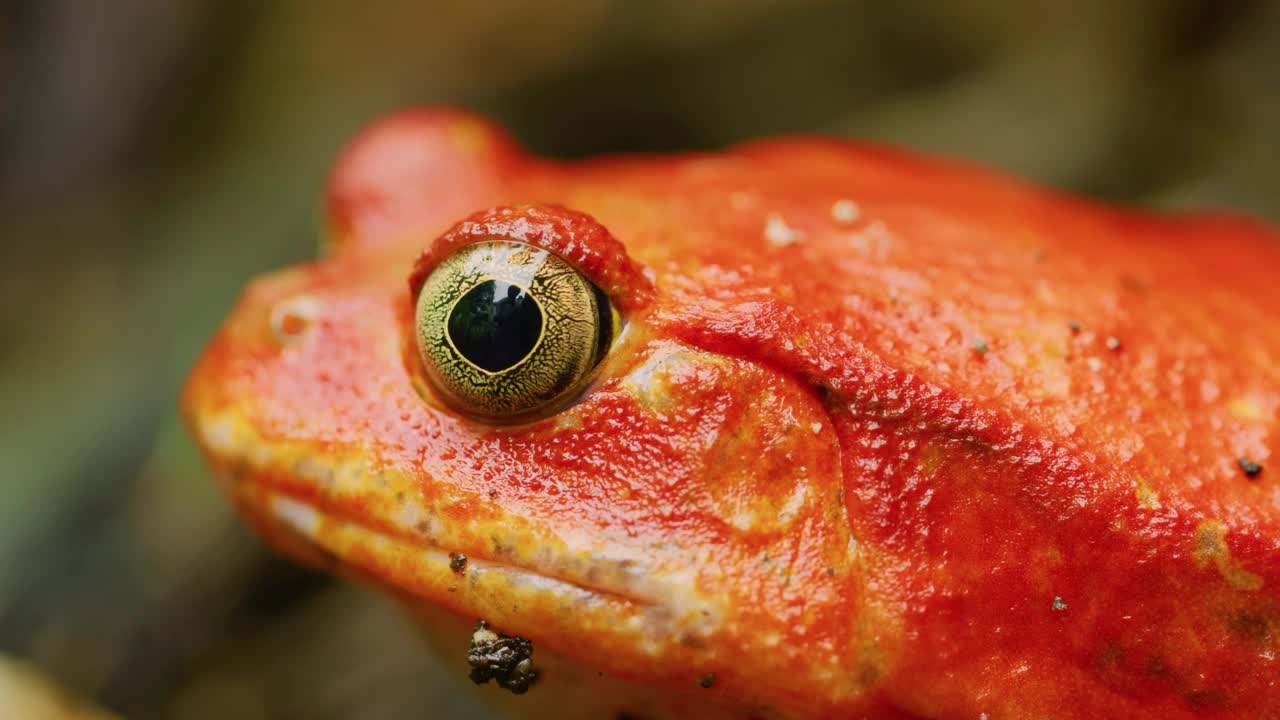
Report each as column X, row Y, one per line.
column 504, row 658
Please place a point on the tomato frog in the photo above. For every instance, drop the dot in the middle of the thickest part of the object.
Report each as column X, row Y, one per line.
column 802, row 429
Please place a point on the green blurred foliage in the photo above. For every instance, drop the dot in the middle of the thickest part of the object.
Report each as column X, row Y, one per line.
column 153, row 156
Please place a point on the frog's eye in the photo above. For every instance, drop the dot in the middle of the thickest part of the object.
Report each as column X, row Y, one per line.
column 507, row 330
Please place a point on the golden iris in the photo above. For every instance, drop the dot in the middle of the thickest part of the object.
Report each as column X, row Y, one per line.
column 507, row 330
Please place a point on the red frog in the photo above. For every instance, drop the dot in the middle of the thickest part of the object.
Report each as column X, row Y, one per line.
column 803, row 429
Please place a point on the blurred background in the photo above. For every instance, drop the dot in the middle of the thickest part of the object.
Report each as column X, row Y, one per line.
column 155, row 155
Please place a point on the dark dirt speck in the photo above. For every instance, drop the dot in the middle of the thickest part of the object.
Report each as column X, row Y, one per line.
column 1251, row 469
column 458, row 562
column 504, row 658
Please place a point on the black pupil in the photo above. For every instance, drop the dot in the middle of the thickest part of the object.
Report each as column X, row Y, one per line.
column 495, row 325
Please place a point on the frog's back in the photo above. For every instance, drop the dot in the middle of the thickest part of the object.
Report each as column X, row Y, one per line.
column 1055, row 415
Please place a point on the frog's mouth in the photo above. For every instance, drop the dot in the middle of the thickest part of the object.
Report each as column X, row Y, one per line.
column 344, row 537
column 324, row 515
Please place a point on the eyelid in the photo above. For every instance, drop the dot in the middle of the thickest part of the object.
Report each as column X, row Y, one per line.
column 575, row 237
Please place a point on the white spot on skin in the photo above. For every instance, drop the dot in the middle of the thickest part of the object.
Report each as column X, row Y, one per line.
column 845, row 211
column 648, row 381
column 568, row 422
column 1094, row 364
column 1209, row 392
column 816, row 428
column 778, row 233
column 767, row 517
column 259, row 454
column 874, row 239
column 220, row 435
column 299, row 516
column 792, row 506
column 409, row 515
column 290, row 318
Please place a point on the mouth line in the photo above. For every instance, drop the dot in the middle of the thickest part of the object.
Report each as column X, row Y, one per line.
column 332, row 532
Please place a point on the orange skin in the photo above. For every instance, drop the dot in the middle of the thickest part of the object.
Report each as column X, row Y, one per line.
column 879, row 459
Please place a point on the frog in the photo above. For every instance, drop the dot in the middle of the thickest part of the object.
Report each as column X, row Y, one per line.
column 804, row 428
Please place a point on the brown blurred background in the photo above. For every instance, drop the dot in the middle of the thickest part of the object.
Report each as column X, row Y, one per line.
column 154, row 155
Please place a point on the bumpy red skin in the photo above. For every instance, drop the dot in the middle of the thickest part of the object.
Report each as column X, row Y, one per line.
column 1044, row 523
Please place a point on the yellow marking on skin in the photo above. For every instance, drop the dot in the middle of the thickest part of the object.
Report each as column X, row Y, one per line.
column 1210, row 545
column 1147, row 498
column 219, row 434
column 741, row 200
column 650, row 381
column 771, row 639
column 410, row 514
column 765, row 516
column 646, row 382
column 794, row 503
column 567, row 422
column 470, row 138
column 1246, row 408
column 930, row 459
column 1053, row 349
column 1046, row 361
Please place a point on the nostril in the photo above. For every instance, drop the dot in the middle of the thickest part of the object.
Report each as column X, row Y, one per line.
column 291, row 318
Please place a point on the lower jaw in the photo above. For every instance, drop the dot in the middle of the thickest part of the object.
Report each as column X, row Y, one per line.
column 569, row 690
column 609, row 635
column 599, row 655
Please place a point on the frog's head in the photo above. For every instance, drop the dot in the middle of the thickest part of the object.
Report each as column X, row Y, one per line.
column 634, row 478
